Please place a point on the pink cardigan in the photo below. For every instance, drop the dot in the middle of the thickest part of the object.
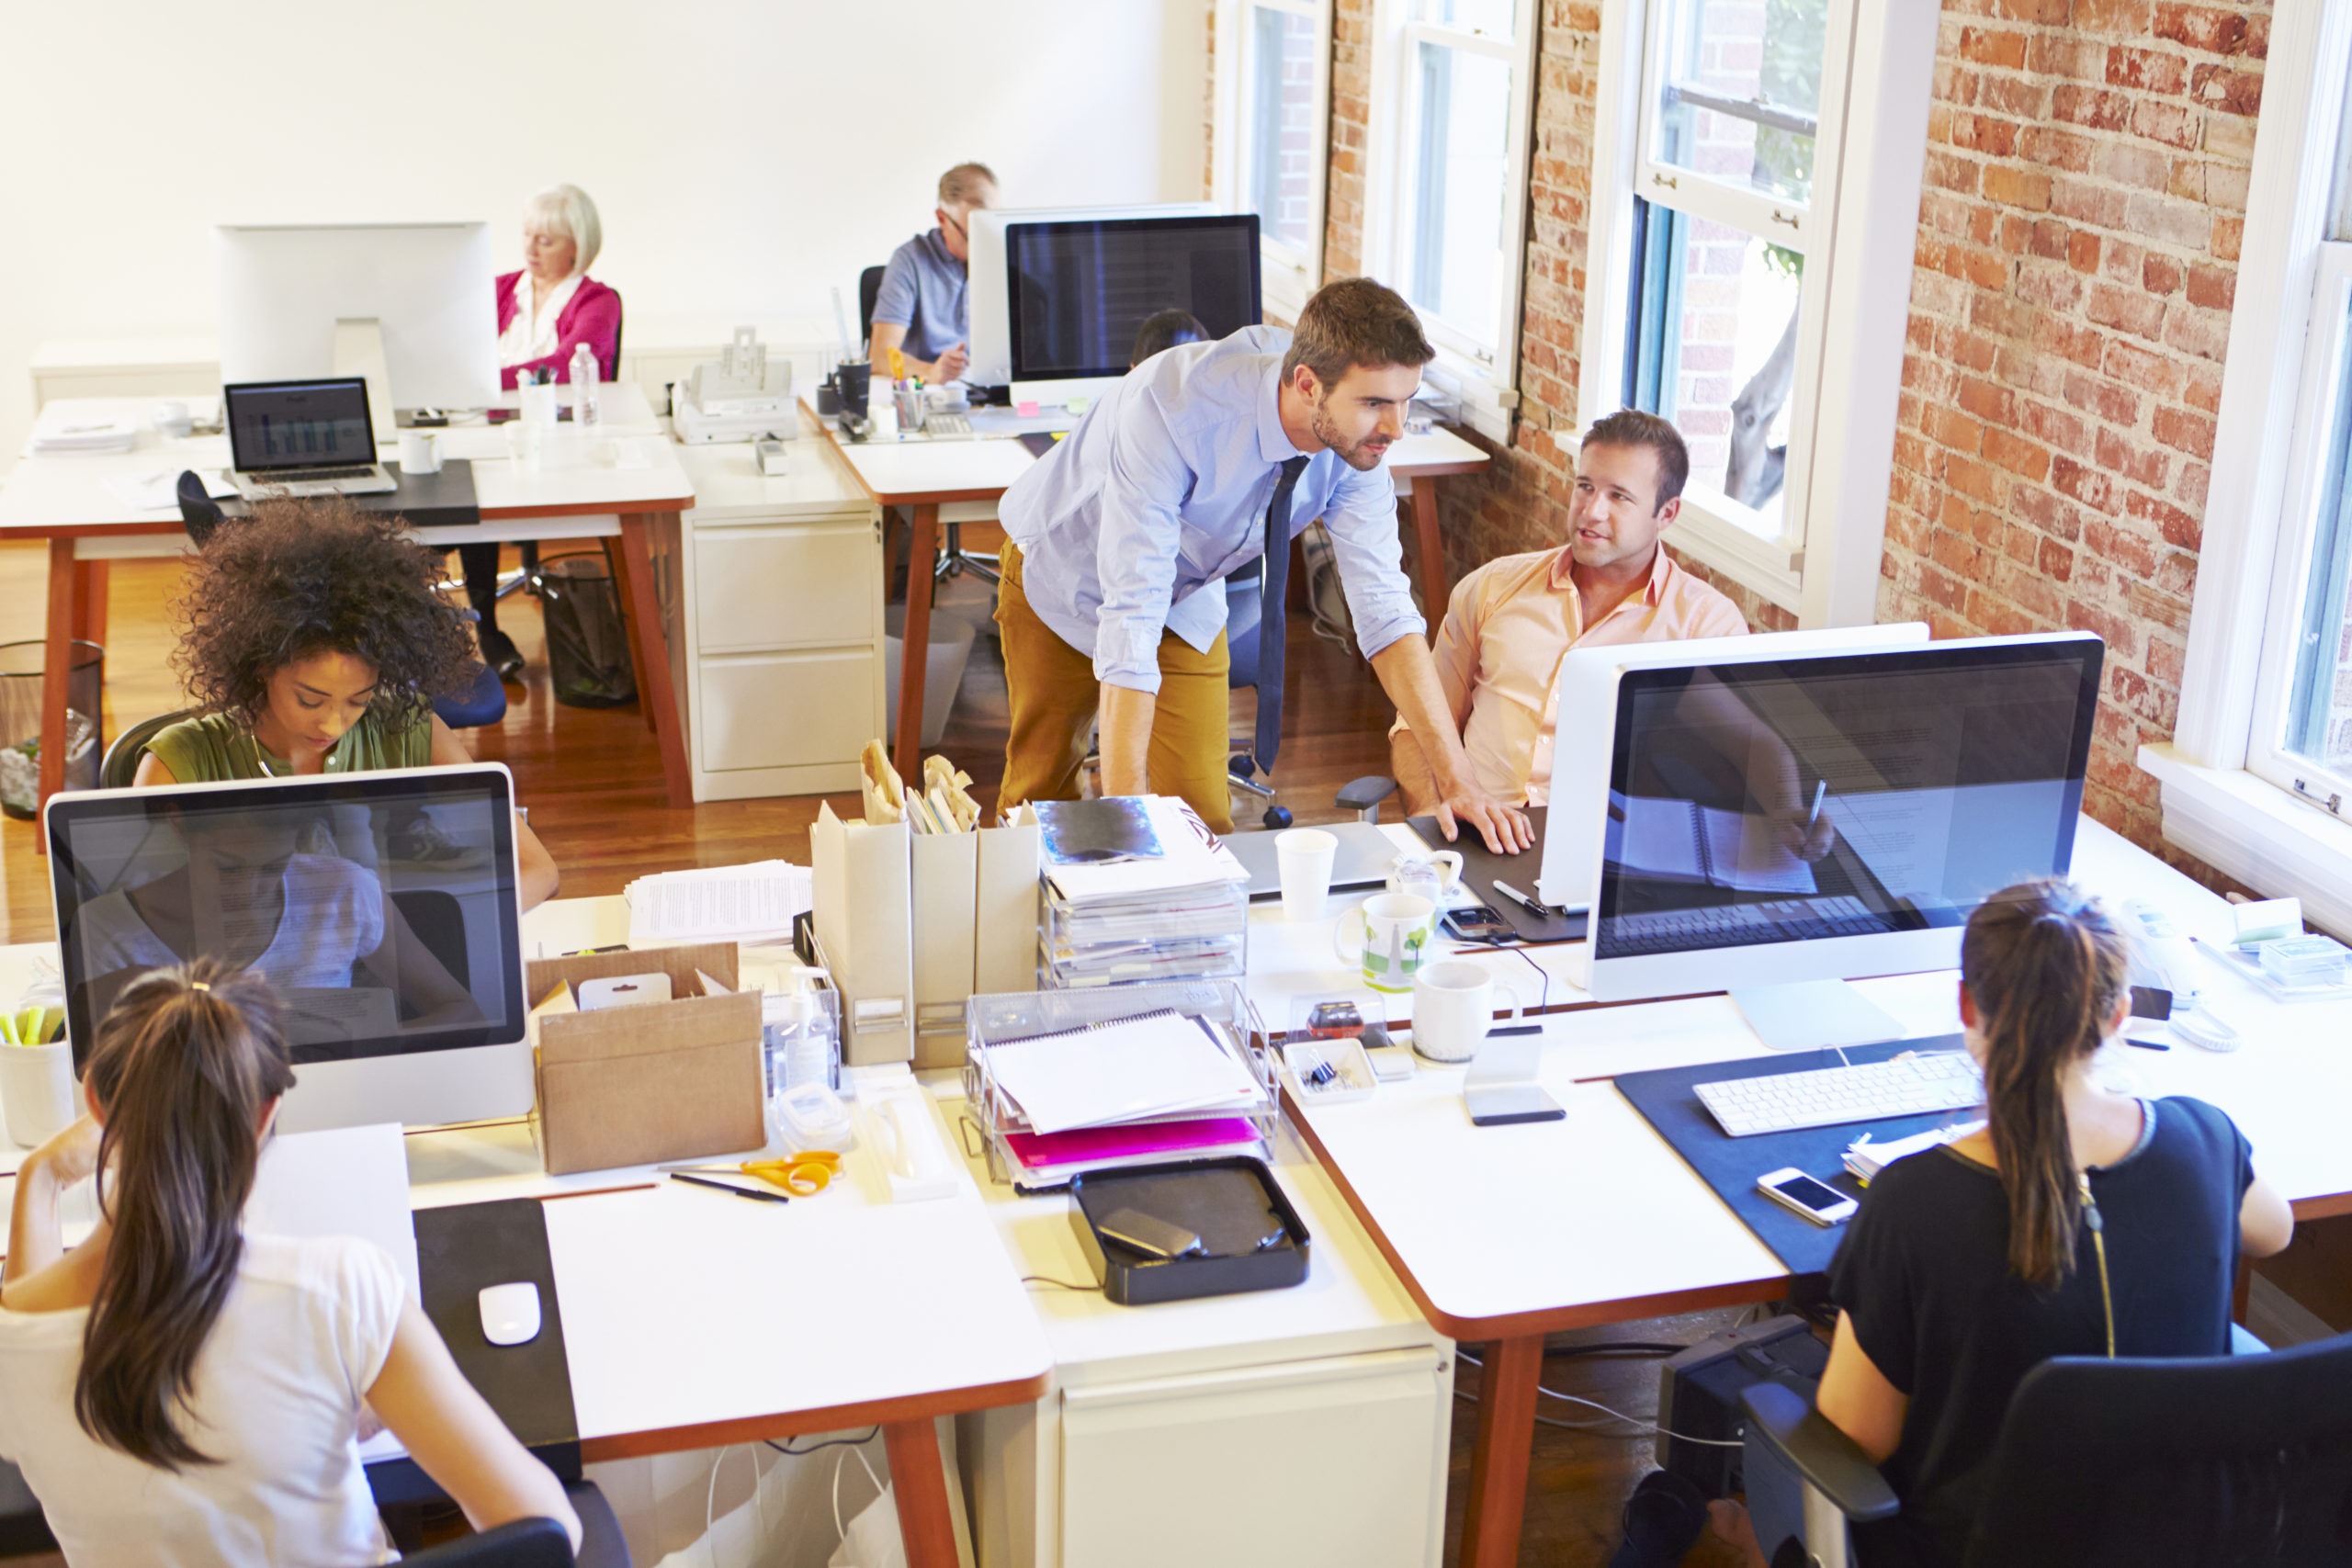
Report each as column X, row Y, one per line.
column 592, row 316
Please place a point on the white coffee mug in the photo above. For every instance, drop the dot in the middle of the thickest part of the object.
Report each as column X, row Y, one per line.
column 1304, row 857
column 37, row 1095
column 420, row 451
column 1387, row 937
column 173, row 419
column 1453, row 1007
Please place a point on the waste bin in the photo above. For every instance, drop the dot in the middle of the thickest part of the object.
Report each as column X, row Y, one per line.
column 942, row 670
column 21, row 664
column 588, row 663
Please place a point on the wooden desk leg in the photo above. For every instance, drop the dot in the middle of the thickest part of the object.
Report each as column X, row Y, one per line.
column 57, row 663
column 1498, row 1463
column 649, row 646
column 90, row 601
column 921, row 551
column 1435, row 590
column 920, row 1481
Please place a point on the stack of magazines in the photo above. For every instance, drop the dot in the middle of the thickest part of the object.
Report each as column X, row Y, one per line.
column 1138, row 889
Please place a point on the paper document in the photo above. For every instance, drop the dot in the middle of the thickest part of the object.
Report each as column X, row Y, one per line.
column 1903, row 835
column 1155, row 1065
column 734, row 903
column 1680, row 840
column 1190, row 856
column 158, row 490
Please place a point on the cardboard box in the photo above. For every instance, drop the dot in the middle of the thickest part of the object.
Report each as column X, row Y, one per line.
column 670, row 1080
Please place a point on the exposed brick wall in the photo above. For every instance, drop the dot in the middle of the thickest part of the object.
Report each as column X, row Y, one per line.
column 2086, row 188
column 1351, row 115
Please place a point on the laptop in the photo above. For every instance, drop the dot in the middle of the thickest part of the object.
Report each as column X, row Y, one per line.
column 1364, row 858
column 293, row 438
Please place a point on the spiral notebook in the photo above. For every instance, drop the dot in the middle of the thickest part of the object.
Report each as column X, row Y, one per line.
column 1681, row 840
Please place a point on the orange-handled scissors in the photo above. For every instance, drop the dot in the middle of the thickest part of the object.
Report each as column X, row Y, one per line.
column 802, row 1175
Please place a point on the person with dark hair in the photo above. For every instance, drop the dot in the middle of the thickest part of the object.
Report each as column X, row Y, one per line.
column 1203, row 459
column 2077, row 1221
column 180, row 1391
column 924, row 307
column 1163, row 330
column 1508, row 623
column 314, row 642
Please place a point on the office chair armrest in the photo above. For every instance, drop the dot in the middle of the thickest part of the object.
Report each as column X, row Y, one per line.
column 1832, row 1465
column 1366, row 793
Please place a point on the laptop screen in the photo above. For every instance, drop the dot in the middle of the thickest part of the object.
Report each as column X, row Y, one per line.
column 298, row 425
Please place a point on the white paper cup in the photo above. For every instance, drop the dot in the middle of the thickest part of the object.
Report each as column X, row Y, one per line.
column 1453, row 1007
column 420, row 451
column 37, row 1092
column 1304, row 857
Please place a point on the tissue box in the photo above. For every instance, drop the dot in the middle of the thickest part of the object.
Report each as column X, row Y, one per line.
column 672, row 1080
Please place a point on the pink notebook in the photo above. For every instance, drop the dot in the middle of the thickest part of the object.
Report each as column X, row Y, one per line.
column 1086, row 1144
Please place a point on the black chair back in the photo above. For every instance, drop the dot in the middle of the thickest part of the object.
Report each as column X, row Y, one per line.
column 119, row 766
column 1244, row 609
column 439, row 922
column 870, row 289
column 525, row 1543
column 200, row 513
column 618, row 320
column 24, row 1529
column 2231, row 1461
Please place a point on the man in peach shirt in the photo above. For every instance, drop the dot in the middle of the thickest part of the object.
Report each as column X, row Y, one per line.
column 1509, row 622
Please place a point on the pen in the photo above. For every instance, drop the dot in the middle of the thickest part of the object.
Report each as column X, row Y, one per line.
column 2146, row 1044
column 1522, row 899
column 1515, row 1029
column 730, row 1187
column 1819, row 790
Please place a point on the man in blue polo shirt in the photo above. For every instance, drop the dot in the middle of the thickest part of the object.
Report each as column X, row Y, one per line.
column 922, row 310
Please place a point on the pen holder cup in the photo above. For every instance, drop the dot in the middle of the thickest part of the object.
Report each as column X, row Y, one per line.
column 37, row 1092
column 853, row 383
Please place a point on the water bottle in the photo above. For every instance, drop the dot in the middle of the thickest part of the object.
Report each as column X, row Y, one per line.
column 583, row 387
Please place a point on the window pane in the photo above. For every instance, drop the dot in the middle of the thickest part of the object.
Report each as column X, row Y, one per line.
column 1281, row 124
column 1458, row 185
column 2319, row 714
column 1714, row 350
column 1740, row 91
column 1496, row 19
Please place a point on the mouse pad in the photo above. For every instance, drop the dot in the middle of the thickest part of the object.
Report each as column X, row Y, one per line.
column 1480, row 866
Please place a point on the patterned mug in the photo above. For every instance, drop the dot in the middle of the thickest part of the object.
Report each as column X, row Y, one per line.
column 1388, row 938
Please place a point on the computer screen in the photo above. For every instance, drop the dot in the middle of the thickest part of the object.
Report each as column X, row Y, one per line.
column 1078, row 290
column 298, row 425
column 382, row 906
column 1754, row 805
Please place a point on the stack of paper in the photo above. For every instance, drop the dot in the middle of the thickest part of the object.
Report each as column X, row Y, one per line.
column 84, row 432
column 1180, row 913
column 731, row 903
column 1866, row 1159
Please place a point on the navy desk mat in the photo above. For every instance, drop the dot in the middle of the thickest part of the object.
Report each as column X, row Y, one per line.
column 1731, row 1165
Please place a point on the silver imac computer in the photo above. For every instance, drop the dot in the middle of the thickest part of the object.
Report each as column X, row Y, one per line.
column 381, row 905
column 1586, row 691
column 1832, row 817
column 410, row 307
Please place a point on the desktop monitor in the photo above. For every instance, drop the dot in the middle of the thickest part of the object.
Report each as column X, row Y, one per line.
column 991, row 288
column 410, row 307
column 1585, row 693
column 1835, row 816
column 382, row 906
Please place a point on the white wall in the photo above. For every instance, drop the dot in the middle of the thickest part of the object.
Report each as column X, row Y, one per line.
column 746, row 157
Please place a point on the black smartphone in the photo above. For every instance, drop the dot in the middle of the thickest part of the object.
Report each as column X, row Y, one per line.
column 1477, row 923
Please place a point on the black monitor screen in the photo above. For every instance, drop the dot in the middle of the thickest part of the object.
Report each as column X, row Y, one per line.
column 298, row 425
column 1850, row 796
column 1078, row 291
column 382, row 907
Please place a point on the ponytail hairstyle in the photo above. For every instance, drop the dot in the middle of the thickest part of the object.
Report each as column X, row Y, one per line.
column 2046, row 965
column 182, row 1070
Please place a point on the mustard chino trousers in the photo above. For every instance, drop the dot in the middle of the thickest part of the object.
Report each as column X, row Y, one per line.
column 1054, row 696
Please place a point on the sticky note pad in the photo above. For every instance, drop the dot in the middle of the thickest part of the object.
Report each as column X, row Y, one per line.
column 1026, row 410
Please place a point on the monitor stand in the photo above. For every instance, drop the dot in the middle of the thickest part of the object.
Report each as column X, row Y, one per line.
column 1814, row 1015
column 359, row 351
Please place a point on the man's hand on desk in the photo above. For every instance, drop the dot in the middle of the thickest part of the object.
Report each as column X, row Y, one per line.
column 950, row 365
column 1504, row 827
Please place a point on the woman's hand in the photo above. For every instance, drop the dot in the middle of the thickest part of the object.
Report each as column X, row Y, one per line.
column 69, row 1158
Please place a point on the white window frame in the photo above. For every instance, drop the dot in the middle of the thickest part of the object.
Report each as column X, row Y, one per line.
column 1482, row 375
column 1859, row 234
column 1290, row 274
column 2225, row 788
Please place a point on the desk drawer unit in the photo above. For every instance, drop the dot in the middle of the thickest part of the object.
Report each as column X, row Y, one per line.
column 784, row 585
column 784, row 710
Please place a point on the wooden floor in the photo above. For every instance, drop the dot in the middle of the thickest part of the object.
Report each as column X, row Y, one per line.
column 592, row 780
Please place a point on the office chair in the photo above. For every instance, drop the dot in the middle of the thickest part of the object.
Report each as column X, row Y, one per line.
column 1244, row 609
column 539, row 1542
column 2216, row 1461
column 24, row 1528
column 954, row 557
column 200, row 513
column 119, row 766
column 527, row 550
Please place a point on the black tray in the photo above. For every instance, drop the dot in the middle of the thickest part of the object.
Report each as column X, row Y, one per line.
column 1228, row 1202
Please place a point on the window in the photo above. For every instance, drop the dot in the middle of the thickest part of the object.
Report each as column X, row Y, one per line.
column 2258, row 777
column 1274, row 112
column 1722, row 168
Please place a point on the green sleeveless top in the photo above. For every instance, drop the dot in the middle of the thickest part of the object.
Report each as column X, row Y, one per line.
column 213, row 747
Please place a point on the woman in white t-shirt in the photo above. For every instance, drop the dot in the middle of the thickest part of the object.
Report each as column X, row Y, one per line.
column 179, row 1392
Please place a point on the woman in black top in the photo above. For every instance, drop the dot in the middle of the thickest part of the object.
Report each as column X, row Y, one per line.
column 1969, row 1264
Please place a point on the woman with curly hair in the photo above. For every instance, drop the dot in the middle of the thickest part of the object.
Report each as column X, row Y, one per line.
column 314, row 643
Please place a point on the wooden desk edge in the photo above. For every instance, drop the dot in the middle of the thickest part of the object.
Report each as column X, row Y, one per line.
column 831, row 1418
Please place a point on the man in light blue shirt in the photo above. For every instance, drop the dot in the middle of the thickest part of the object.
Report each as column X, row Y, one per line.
column 1121, row 536
column 922, row 310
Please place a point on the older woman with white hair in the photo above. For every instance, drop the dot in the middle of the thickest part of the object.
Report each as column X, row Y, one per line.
column 545, row 311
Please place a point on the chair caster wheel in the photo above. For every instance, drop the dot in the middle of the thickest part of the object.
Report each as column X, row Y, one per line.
column 1276, row 816
column 1240, row 766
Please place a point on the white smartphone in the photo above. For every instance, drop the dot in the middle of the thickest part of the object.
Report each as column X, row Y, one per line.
column 1800, row 1194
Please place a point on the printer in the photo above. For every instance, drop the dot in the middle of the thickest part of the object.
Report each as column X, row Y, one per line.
column 740, row 396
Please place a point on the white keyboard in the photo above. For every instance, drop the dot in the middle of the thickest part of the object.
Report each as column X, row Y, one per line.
column 1869, row 1092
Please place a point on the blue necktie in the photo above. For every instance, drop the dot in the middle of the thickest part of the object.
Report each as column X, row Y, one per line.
column 1275, row 578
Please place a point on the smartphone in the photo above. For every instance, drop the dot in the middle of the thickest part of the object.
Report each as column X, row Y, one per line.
column 1141, row 1233
column 1502, row 1104
column 1477, row 923
column 1800, row 1194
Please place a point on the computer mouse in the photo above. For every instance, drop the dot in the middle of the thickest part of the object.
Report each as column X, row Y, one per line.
column 509, row 1314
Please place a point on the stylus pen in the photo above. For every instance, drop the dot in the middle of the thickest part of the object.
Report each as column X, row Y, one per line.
column 730, row 1187
column 1522, row 899
column 1820, row 791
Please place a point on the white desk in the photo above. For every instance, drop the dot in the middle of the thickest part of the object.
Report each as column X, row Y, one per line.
column 63, row 499
column 1503, row 1235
